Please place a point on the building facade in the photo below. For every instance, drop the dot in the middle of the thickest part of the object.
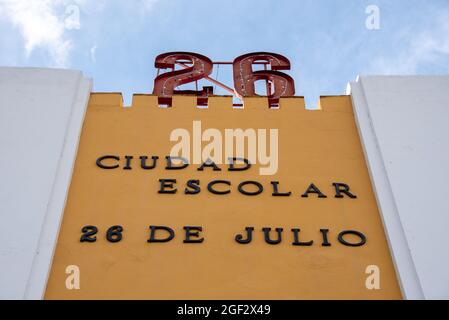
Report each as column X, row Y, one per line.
column 94, row 206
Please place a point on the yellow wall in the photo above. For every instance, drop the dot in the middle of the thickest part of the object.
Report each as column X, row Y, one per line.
column 314, row 146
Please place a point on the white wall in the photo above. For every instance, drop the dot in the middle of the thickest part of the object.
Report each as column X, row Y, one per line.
column 41, row 115
column 404, row 126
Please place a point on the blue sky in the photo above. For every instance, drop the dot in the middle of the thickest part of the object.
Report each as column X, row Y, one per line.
column 328, row 44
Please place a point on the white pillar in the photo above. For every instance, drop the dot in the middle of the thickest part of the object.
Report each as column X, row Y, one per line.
column 41, row 115
column 404, row 127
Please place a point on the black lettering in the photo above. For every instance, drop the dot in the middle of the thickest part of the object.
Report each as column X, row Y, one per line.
column 171, row 166
column 250, row 193
column 325, row 242
column 89, row 233
column 210, row 164
column 153, row 229
column 296, row 241
column 213, row 183
column 103, row 166
column 193, row 232
column 232, row 166
column 128, row 163
column 167, row 184
column 266, row 232
column 313, row 189
column 143, row 162
column 114, row 234
column 342, row 188
column 352, row 244
column 194, row 186
column 276, row 192
column 249, row 236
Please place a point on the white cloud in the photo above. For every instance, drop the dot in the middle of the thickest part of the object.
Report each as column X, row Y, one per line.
column 41, row 26
column 424, row 47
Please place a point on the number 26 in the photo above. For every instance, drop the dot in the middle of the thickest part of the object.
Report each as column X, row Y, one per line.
column 113, row 234
column 197, row 67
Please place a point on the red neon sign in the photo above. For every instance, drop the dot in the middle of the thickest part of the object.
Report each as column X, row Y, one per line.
column 196, row 67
